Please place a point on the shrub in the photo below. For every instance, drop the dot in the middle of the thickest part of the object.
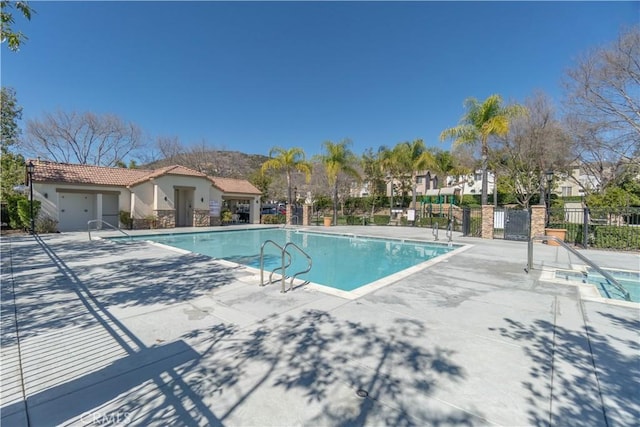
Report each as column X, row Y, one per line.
column 46, row 224
column 429, row 221
column 24, row 212
column 357, row 220
column 613, row 237
column 126, row 220
column 381, row 219
column 273, row 219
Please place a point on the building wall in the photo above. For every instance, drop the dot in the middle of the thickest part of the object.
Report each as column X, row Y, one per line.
column 103, row 202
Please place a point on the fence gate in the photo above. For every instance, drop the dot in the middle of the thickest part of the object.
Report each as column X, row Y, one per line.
column 517, row 223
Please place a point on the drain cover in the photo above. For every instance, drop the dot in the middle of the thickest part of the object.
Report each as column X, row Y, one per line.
column 362, row 393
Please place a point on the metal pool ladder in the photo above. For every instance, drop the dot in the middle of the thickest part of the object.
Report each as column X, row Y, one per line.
column 283, row 266
column 102, row 222
column 608, row 277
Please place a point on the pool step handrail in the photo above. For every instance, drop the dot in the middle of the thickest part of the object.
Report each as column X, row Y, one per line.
column 265, row 243
column 283, row 265
column 306, row 255
column 103, row 222
column 608, row 277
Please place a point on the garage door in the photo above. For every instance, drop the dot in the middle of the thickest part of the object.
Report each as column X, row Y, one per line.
column 74, row 210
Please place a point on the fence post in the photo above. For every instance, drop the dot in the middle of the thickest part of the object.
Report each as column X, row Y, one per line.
column 585, row 227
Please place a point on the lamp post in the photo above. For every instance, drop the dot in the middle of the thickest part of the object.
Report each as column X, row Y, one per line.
column 549, row 176
column 30, row 169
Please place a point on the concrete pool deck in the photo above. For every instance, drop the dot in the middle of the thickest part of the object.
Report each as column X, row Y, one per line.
column 103, row 333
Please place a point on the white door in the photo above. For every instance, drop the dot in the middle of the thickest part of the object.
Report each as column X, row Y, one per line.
column 75, row 210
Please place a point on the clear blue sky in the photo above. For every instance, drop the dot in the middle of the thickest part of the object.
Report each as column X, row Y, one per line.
column 248, row 76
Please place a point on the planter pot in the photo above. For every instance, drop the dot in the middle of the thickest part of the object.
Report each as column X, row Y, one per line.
column 327, row 221
column 560, row 233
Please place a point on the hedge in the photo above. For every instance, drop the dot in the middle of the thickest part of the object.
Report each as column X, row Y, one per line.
column 614, row 237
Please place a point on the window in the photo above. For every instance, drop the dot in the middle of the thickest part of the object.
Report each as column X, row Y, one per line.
column 566, row 191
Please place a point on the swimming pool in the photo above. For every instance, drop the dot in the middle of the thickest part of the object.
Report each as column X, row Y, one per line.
column 343, row 262
column 630, row 280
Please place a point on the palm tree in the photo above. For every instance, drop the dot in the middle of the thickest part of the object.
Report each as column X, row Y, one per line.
column 336, row 159
column 482, row 120
column 290, row 160
column 418, row 159
column 396, row 164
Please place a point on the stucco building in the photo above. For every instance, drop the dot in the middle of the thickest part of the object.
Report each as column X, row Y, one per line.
column 173, row 196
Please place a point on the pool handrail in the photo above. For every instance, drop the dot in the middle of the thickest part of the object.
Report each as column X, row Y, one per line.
column 102, row 222
column 309, row 260
column 283, row 267
column 612, row 281
column 262, row 262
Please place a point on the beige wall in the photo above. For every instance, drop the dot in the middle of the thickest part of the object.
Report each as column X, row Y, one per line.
column 50, row 203
column 144, row 199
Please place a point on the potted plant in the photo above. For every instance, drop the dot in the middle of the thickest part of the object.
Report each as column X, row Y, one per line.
column 226, row 217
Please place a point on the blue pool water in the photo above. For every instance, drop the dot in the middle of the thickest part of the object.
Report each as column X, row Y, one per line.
column 339, row 261
column 630, row 280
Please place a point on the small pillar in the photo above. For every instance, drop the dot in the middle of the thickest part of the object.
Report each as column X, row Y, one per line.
column 487, row 221
column 288, row 213
column 306, row 214
column 538, row 220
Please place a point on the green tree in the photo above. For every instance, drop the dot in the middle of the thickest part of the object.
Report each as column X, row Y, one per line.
column 289, row 161
column 373, row 175
column 396, row 166
column 418, row 159
column 481, row 121
column 445, row 164
column 13, row 38
column 12, row 170
column 261, row 181
column 338, row 158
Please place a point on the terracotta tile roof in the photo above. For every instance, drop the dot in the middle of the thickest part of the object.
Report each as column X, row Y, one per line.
column 85, row 174
column 168, row 170
column 230, row 185
column 46, row 171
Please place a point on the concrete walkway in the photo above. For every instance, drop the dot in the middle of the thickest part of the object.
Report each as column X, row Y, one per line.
column 103, row 333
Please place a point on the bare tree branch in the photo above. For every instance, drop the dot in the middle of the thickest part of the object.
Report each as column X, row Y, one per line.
column 84, row 138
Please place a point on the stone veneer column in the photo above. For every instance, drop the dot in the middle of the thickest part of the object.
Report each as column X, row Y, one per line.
column 201, row 218
column 538, row 219
column 306, row 214
column 166, row 218
column 288, row 213
column 487, row 222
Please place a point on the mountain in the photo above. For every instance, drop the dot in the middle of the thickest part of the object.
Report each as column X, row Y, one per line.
column 224, row 164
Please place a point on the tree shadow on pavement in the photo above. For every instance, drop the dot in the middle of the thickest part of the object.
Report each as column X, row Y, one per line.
column 315, row 363
column 593, row 377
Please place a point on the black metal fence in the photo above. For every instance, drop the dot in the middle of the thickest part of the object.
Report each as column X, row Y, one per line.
column 602, row 228
column 472, row 222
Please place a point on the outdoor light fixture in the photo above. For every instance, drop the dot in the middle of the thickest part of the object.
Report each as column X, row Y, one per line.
column 549, row 174
column 30, row 169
